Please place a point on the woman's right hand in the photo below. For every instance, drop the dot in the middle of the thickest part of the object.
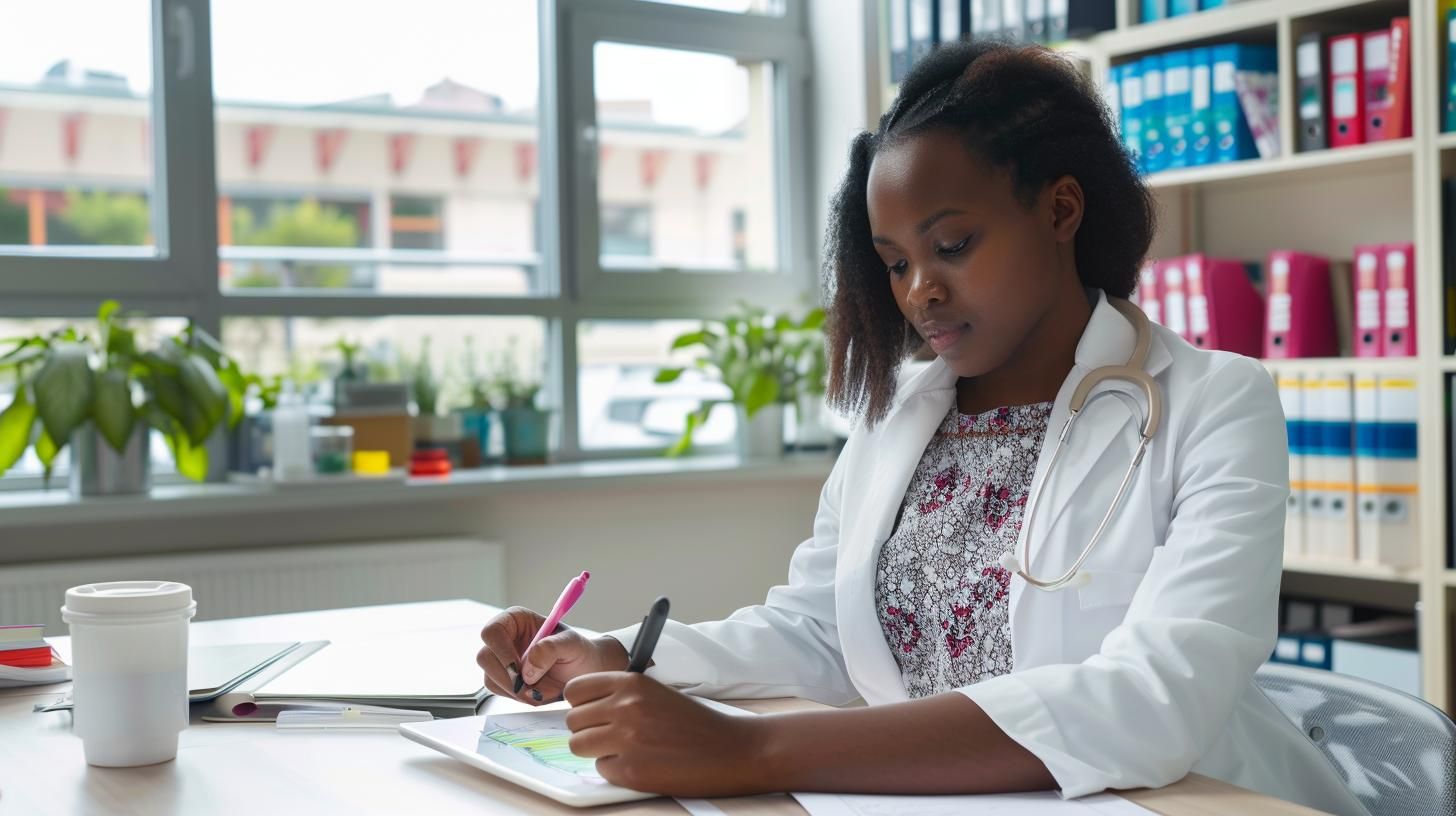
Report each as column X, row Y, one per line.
column 553, row 661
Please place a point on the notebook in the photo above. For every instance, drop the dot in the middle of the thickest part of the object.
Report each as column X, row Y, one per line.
column 215, row 670
column 432, row 670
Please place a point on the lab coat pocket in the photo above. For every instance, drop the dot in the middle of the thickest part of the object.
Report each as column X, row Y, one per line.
column 1109, row 588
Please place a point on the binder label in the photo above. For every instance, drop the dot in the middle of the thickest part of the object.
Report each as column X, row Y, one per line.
column 1223, row 77
column 1201, row 96
column 1346, row 98
column 1308, row 60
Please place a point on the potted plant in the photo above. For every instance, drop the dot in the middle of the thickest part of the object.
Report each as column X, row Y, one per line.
column 430, row 425
column 101, row 394
column 475, row 416
column 525, row 426
column 767, row 361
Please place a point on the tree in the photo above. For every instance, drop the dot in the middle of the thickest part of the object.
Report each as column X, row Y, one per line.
column 305, row 224
column 14, row 220
column 102, row 218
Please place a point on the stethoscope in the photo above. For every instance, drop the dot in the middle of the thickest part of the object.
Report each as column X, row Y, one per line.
column 1132, row 371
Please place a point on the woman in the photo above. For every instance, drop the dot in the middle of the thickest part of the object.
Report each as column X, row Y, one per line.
column 995, row 216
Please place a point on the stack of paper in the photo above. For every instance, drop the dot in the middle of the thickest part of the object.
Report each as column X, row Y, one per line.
column 26, row 659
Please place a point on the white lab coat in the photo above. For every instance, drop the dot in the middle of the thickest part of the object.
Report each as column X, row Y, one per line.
column 1133, row 680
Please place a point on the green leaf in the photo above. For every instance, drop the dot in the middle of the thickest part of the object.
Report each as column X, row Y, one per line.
column 121, row 342
column 668, row 375
column 191, row 459
column 237, row 389
column 108, row 309
column 691, row 339
column 46, row 450
column 64, row 390
column 114, row 414
column 783, row 324
column 22, row 355
column 763, row 391
column 15, row 425
column 207, row 397
column 695, row 420
column 813, row 320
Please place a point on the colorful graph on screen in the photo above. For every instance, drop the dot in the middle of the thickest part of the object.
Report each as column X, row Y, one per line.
column 544, row 742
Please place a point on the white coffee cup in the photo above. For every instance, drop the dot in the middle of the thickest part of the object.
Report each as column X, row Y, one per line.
column 129, row 663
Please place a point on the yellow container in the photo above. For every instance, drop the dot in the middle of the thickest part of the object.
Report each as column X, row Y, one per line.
column 371, row 462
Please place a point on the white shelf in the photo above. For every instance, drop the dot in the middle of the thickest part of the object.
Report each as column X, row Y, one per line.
column 1446, row 141
column 1346, row 365
column 1351, row 569
column 1451, row 578
column 1393, row 154
column 1219, row 23
column 1448, row 363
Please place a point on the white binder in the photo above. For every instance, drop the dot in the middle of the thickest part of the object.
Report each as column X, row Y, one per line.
column 1291, row 397
column 1397, row 479
column 1367, row 466
column 1336, row 539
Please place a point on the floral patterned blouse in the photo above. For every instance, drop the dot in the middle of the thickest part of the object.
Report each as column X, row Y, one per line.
column 941, row 594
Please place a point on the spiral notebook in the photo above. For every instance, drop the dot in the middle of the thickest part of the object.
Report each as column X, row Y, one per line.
column 432, row 670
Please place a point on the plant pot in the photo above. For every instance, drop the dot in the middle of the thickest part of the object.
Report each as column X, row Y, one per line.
column 527, row 434
column 98, row 470
column 432, row 428
column 477, row 432
column 810, row 430
column 762, row 436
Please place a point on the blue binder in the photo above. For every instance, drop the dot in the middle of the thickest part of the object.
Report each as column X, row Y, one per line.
column 1155, row 153
column 1450, row 39
column 1232, row 138
column 1205, row 5
column 1153, row 10
column 1200, row 117
column 1178, row 8
column 1131, row 76
column 1177, row 107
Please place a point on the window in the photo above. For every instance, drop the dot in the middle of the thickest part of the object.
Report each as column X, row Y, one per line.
column 76, row 168
column 627, row 233
column 462, row 351
column 415, row 223
column 622, row 406
column 432, row 127
column 689, row 132
column 384, row 183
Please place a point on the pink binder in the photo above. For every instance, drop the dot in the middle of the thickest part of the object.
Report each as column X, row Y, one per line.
column 1301, row 314
column 1368, row 279
column 1399, row 264
column 1225, row 311
column 1174, row 287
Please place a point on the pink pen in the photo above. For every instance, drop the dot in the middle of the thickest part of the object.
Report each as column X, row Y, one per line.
column 569, row 596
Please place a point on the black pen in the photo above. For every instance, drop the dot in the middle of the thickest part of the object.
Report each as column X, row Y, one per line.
column 646, row 640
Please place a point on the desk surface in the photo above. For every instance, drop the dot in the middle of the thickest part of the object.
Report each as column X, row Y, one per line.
column 254, row 769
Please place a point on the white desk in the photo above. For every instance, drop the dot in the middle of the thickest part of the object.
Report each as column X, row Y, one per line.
column 253, row 769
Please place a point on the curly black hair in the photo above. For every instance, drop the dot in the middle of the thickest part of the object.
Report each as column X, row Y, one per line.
column 1022, row 108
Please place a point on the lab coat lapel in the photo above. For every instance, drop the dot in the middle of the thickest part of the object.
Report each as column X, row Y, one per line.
column 1107, row 340
column 903, row 437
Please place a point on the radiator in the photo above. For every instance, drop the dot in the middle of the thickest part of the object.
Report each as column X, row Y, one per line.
column 262, row 581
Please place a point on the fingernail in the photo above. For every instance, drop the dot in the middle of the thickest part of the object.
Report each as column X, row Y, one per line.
column 512, row 671
column 536, row 695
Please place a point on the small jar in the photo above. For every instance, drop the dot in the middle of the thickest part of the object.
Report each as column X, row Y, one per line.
column 333, row 449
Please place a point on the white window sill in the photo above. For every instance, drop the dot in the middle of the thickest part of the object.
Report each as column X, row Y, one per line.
column 22, row 508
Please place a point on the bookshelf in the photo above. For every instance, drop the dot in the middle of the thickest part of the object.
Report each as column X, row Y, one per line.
column 1324, row 202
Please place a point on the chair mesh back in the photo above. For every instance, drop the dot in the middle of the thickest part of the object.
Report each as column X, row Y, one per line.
column 1396, row 753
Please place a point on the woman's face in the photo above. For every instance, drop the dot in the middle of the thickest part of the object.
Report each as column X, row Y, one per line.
column 972, row 268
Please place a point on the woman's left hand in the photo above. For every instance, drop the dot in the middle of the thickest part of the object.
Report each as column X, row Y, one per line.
column 648, row 737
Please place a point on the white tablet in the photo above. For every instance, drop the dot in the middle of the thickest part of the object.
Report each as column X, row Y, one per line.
column 529, row 749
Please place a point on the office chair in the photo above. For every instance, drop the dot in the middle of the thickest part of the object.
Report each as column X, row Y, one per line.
column 1396, row 753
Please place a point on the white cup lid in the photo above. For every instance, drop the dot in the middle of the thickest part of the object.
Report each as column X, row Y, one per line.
column 128, row 598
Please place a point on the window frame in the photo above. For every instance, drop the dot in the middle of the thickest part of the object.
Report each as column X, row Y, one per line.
column 179, row 276
column 750, row 37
